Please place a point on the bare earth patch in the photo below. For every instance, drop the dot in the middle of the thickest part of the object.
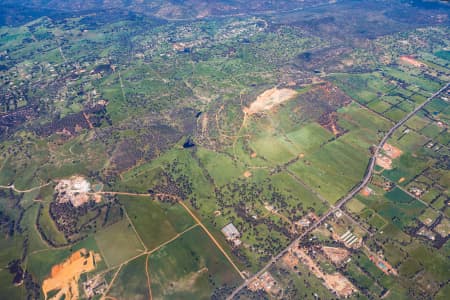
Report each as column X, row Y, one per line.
column 76, row 190
column 269, row 99
column 187, row 282
column 64, row 277
column 391, row 152
column 410, row 60
column 336, row 255
column 366, row 191
column 247, row 174
column 335, row 282
column 384, row 162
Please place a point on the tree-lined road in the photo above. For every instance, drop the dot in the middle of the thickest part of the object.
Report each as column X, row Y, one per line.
column 342, row 201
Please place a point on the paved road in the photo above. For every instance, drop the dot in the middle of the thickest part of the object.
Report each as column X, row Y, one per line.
column 343, row 200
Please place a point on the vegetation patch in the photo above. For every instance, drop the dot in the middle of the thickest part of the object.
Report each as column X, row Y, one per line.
column 120, row 235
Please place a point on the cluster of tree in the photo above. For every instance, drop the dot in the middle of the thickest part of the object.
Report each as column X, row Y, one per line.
column 12, row 120
column 33, row 289
column 7, row 224
column 73, row 123
column 44, row 236
column 220, row 292
column 170, row 186
column 77, row 222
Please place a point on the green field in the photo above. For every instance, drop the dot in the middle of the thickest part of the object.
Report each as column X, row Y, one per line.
column 189, row 267
column 444, row 54
column 118, row 236
column 363, row 87
column 221, row 167
column 131, row 282
column 430, row 260
column 401, row 209
column 310, row 137
column 327, row 171
column 301, row 195
column 363, row 282
column 10, row 250
column 429, row 216
column 156, row 222
column 48, row 226
column 355, row 206
column 274, row 148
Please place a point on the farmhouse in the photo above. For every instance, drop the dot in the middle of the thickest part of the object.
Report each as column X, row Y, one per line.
column 232, row 234
column 265, row 282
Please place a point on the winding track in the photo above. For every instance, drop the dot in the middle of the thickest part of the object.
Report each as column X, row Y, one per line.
column 343, row 200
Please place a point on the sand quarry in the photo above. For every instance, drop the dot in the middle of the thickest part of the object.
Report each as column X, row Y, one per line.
column 64, row 277
column 269, row 99
column 76, row 190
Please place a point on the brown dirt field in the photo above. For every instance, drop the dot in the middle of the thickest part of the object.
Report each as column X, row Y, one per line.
column 269, row 99
column 401, row 180
column 336, row 255
column 205, row 123
column 289, row 260
column 410, row 60
column 384, row 162
column 335, row 282
column 253, row 155
column 65, row 276
column 97, row 198
column 329, row 122
column 392, row 151
column 247, row 174
column 340, row 284
column 366, row 191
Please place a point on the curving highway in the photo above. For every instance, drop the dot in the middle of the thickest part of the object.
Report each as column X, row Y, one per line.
column 343, row 200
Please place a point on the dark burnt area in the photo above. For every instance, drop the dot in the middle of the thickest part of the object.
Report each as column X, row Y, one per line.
column 155, row 133
column 11, row 120
column 73, row 124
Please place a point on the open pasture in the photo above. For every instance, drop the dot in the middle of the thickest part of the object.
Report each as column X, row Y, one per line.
column 155, row 222
column 118, row 236
column 363, row 88
column 400, row 209
column 333, row 170
column 189, row 267
column 131, row 283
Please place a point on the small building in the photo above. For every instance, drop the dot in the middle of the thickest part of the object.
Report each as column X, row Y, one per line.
column 265, row 282
column 231, row 232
